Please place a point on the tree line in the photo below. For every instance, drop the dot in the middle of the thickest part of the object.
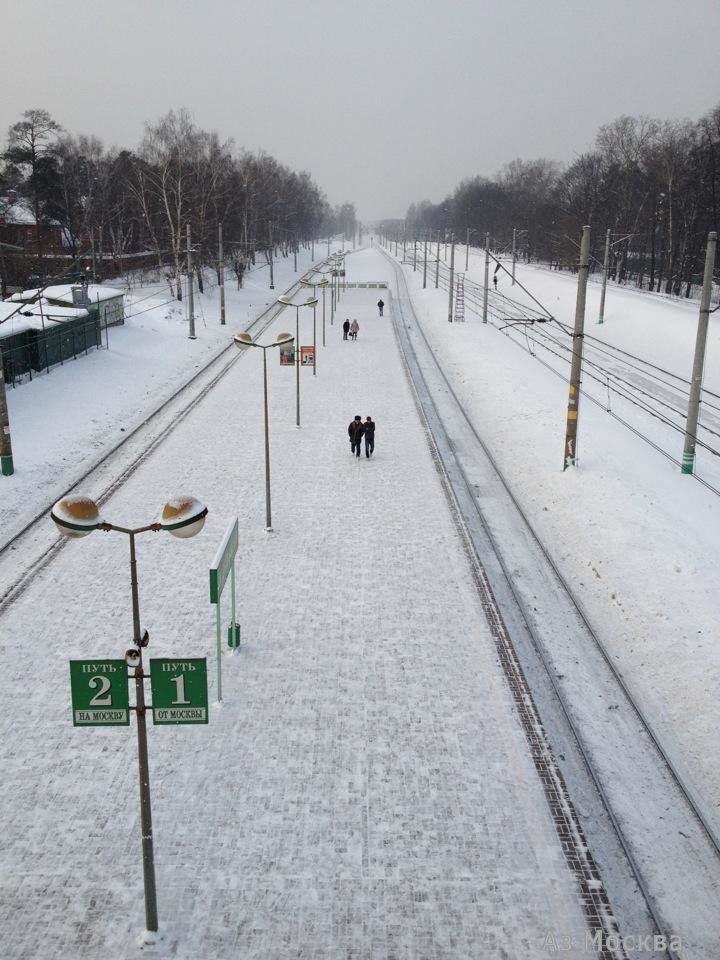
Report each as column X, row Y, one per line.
column 655, row 185
column 113, row 203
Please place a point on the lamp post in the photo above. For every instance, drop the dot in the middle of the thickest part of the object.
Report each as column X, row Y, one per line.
column 324, row 283
column 184, row 516
column 314, row 284
column 287, row 302
column 243, row 341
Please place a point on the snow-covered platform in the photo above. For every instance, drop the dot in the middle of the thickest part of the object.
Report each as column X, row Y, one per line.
column 366, row 789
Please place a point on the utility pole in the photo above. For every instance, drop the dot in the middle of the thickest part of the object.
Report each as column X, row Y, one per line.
column 467, row 249
column 6, row 457
column 414, row 255
column 487, row 277
column 514, row 255
column 294, row 256
column 452, row 276
column 191, row 305
column 606, row 263
column 221, row 274
column 425, row 262
column 272, row 251
column 688, row 459
column 570, row 457
column 312, row 250
column 437, row 262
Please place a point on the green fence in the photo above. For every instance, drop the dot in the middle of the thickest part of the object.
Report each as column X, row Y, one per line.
column 30, row 352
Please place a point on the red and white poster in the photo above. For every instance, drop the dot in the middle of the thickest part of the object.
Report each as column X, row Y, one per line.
column 307, row 356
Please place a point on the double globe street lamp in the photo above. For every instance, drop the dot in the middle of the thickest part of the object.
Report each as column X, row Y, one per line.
column 314, row 284
column 183, row 517
column 287, row 302
column 243, row 341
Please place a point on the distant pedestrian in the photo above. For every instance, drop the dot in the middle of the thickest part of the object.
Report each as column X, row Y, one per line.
column 369, row 427
column 495, row 280
column 354, row 328
column 355, row 432
column 346, row 327
column 380, row 306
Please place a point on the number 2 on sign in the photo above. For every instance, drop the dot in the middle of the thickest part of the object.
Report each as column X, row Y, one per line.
column 100, row 700
column 179, row 690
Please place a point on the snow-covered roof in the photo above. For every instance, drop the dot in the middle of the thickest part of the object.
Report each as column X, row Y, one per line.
column 17, row 213
column 30, row 316
column 62, row 293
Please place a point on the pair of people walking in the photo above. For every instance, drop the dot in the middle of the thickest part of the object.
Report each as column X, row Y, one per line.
column 357, row 430
column 351, row 328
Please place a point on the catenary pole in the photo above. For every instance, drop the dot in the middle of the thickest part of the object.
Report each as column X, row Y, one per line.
column 452, row 278
column 688, row 459
column 487, row 277
column 514, row 254
column 437, row 262
column 221, row 274
column 6, row 455
column 425, row 243
column 272, row 252
column 606, row 263
column 570, row 457
column 191, row 305
column 467, row 249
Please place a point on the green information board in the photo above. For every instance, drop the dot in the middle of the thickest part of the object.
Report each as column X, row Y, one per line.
column 179, row 690
column 99, row 691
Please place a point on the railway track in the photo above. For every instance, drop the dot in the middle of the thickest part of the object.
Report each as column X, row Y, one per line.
column 612, row 375
column 607, row 740
column 121, row 462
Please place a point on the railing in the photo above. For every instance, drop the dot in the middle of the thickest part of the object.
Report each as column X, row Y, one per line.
column 37, row 351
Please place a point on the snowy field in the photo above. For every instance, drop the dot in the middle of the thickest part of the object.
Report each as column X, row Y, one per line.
column 637, row 541
column 366, row 789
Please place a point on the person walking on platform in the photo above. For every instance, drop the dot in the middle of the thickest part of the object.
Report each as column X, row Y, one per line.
column 346, row 327
column 354, row 327
column 355, row 432
column 380, row 306
column 369, row 434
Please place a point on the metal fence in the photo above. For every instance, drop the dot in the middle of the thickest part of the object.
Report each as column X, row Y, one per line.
column 31, row 352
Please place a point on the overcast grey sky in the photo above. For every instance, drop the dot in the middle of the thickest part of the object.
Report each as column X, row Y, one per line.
column 383, row 102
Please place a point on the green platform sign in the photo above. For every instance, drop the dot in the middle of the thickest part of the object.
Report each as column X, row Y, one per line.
column 99, row 690
column 179, row 690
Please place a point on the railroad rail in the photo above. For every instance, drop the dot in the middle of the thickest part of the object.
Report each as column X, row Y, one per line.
column 459, row 448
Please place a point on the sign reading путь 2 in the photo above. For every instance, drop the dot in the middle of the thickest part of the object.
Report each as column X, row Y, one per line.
column 179, row 690
column 99, row 693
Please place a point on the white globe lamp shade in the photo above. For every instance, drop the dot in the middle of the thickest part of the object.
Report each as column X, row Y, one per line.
column 183, row 516
column 76, row 516
column 242, row 340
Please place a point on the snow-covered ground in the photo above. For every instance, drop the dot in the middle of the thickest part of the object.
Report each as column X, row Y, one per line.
column 366, row 789
column 637, row 541
column 63, row 422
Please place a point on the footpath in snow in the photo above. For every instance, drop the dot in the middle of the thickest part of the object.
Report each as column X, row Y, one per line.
column 366, row 789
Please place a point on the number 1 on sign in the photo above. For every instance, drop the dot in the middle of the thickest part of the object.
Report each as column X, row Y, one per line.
column 179, row 690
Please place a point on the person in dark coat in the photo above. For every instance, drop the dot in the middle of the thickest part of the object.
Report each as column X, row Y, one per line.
column 369, row 434
column 355, row 432
column 346, row 328
column 380, row 306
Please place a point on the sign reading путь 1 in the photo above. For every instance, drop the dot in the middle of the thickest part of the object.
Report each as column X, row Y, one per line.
column 179, row 690
column 99, row 693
